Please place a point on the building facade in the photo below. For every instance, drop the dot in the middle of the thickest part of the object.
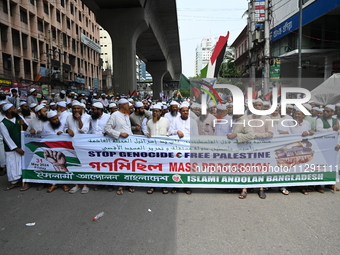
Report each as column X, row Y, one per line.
column 203, row 54
column 49, row 42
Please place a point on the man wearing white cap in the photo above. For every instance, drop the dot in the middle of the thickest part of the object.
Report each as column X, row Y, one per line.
column 309, row 117
column 36, row 125
column 77, row 123
column 137, row 117
column 119, row 125
column 223, row 122
column 327, row 122
column 99, row 119
column 314, row 112
column 173, row 112
column 10, row 128
column 53, row 106
column 53, row 126
column 113, row 108
column 25, row 112
column 62, row 112
column 2, row 150
column 61, row 96
column 184, row 126
column 32, row 98
column 104, row 100
column 52, row 98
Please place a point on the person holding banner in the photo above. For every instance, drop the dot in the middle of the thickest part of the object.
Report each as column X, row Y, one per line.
column 137, row 117
column 10, row 128
column 119, row 125
column 2, row 149
column 77, row 123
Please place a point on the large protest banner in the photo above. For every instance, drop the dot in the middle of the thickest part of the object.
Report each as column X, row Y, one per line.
column 202, row 162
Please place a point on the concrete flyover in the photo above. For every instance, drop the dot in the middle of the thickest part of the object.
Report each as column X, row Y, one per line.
column 147, row 28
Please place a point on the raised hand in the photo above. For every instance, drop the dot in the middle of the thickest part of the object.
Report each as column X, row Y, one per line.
column 56, row 158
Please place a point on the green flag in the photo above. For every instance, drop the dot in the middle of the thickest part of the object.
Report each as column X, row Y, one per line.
column 184, row 83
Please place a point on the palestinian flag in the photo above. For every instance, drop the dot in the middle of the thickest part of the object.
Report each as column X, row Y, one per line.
column 65, row 147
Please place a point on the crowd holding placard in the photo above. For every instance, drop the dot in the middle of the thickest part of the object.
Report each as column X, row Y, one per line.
column 121, row 116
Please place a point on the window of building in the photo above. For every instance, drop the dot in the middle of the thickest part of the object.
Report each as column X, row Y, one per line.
column 32, row 2
column 62, row 3
column 87, row 23
column 68, row 23
column 82, row 6
column 71, row 9
column 4, row 6
column 7, row 59
column 24, row 41
column 54, row 33
column 79, row 16
column 15, row 37
column 3, row 32
column 23, row 16
column 76, row 29
column 40, row 26
column 58, row 16
column 45, row 8
column 27, row 66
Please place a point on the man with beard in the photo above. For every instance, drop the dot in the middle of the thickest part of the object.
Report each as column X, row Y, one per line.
column 77, row 123
column 146, row 104
column 62, row 113
column 261, row 130
column 98, row 120
column 10, row 128
column 32, row 98
column 119, row 125
column 26, row 114
column 53, row 126
column 137, row 117
column 61, row 96
column 104, row 100
column 157, row 126
column 53, row 106
column 113, row 108
column 36, row 125
column 173, row 112
column 205, row 123
column 14, row 99
column 3, row 96
column 131, row 108
column 2, row 150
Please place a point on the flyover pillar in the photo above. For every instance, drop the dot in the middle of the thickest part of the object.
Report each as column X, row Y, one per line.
column 124, row 26
column 157, row 69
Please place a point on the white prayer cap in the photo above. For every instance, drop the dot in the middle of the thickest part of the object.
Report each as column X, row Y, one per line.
column 6, row 107
column 3, row 102
column 320, row 110
column 94, row 94
column 210, row 104
column 39, row 107
column 75, row 102
column 157, row 106
column 195, row 105
column 338, row 104
column 221, row 107
column 62, row 92
column 130, row 104
column 163, row 102
column 103, row 94
column 112, row 105
column 258, row 101
column 289, row 106
column 32, row 105
column 185, row 104
column 130, row 99
column 331, row 106
column 31, row 91
column 139, row 104
column 266, row 103
column 43, row 101
column 53, row 103
column 316, row 108
column 311, row 101
column 174, row 103
column 98, row 105
column 122, row 101
column 62, row 104
column 308, row 106
column 83, row 105
column 297, row 108
column 21, row 103
column 52, row 93
column 51, row 114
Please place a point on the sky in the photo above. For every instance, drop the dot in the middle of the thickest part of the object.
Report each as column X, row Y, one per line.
column 198, row 19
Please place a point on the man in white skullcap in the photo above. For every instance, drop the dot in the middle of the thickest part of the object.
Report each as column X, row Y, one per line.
column 104, row 100
column 137, row 117
column 119, row 125
column 157, row 126
column 173, row 112
column 113, row 108
column 77, row 123
column 36, row 125
column 62, row 113
column 32, row 98
column 25, row 112
column 61, row 97
column 266, row 105
column 53, row 106
column 289, row 110
column 223, row 122
column 184, row 126
column 52, row 98
column 327, row 122
column 99, row 119
column 2, row 150
column 314, row 112
column 10, row 128
column 309, row 117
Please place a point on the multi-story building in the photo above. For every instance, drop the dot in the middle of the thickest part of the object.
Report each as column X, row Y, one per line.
column 106, row 49
column 51, row 42
column 203, row 54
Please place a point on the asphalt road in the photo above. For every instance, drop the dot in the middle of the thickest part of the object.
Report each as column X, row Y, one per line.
column 207, row 222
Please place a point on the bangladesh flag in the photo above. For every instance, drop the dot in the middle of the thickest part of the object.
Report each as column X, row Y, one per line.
column 66, row 147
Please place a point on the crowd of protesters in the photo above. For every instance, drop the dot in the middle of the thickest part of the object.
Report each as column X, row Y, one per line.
column 121, row 116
